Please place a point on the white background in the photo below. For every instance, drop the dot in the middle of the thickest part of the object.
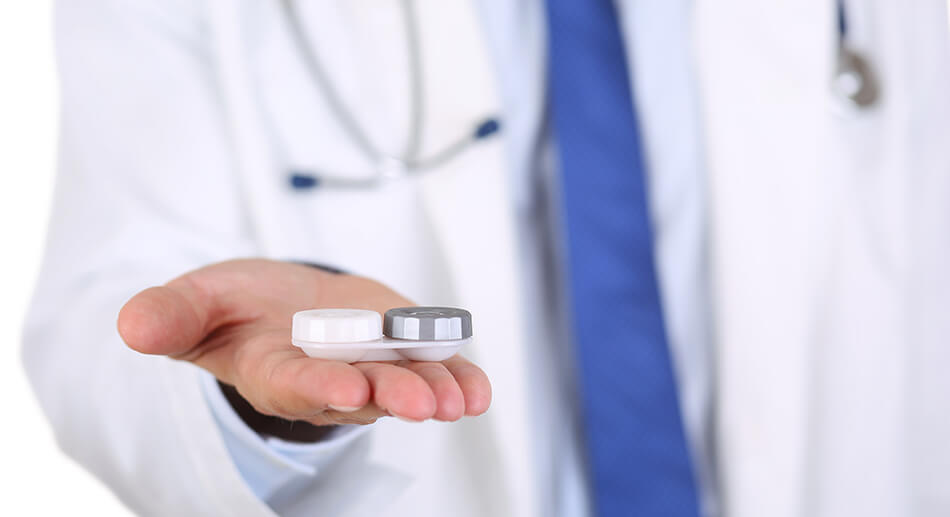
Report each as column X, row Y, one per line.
column 35, row 478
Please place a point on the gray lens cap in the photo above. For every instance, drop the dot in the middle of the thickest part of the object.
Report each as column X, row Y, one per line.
column 427, row 323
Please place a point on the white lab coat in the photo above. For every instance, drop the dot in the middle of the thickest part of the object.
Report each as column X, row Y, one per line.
column 830, row 241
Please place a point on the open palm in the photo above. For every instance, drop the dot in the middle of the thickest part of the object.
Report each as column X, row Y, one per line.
column 234, row 320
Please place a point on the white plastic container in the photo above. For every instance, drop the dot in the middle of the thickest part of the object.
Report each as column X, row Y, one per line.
column 354, row 335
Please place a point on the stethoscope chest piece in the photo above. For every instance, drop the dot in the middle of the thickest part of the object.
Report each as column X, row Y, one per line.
column 854, row 81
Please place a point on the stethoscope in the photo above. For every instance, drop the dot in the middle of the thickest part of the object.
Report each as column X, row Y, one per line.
column 853, row 83
column 386, row 167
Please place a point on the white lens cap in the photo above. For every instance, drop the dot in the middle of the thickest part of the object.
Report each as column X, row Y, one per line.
column 428, row 323
column 337, row 326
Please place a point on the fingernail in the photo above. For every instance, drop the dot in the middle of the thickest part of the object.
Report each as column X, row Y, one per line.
column 343, row 409
column 404, row 419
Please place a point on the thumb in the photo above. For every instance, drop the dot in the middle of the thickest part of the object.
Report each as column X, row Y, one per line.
column 174, row 318
column 166, row 320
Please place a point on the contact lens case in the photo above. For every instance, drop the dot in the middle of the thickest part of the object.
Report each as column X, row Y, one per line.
column 355, row 335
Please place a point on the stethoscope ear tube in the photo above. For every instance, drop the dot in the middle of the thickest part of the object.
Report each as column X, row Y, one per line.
column 392, row 168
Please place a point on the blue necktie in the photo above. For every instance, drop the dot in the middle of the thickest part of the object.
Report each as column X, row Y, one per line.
column 637, row 454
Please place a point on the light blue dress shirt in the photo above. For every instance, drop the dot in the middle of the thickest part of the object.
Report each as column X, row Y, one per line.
column 658, row 46
column 270, row 464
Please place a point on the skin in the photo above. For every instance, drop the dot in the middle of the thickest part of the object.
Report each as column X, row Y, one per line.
column 234, row 320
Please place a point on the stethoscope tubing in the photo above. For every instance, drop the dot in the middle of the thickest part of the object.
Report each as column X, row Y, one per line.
column 387, row 167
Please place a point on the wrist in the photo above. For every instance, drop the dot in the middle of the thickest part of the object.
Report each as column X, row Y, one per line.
column 269, row 425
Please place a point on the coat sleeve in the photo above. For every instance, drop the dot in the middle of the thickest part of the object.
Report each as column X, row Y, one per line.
column 146, row 190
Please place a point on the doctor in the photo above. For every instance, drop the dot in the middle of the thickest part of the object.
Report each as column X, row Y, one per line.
column 706, row 254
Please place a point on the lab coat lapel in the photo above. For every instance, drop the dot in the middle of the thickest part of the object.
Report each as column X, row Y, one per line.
column 471, row 217
column 827, row 231
column 766, row 134
column 470, row 206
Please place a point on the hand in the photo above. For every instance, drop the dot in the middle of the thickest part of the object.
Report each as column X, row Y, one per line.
column 234, row 320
